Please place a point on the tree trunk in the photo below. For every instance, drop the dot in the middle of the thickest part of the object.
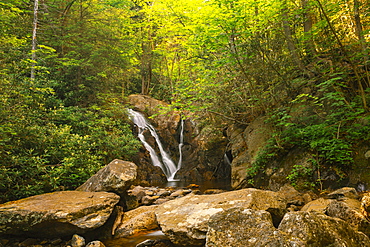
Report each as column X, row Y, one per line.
column 34, row 41
column 290, row 43
column 307, row 27
column 361, row 38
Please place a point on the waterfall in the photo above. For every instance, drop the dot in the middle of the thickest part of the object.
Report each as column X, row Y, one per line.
column 167, row 165
column 181, row 143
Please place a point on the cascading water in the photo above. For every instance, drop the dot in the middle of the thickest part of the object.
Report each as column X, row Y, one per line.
column 181, row 143
column 168, row 166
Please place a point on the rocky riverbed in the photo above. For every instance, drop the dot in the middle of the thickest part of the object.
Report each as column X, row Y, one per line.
column 109, row 207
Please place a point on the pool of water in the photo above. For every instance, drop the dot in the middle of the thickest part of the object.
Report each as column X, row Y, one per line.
column 135, row 240
column 213, row 184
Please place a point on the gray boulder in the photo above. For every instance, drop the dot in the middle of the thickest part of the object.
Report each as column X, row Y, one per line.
column 117, row 177
column 57, row 214
column 185, row 220
column 243, row 227
column 317, row 229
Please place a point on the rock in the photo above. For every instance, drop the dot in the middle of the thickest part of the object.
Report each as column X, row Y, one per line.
column 148, row 200
column 365, row 205
column 344, row 192
column 319, row 205
column 137, row 220
column 316, row 229
column 28, row 242
column 57, row 214
column 213, row 191
column 243, row 227
column 117, row 176
column 95, row 244
column 185, row 220
column 349, row 210
column 292, row 196
column 77, row 241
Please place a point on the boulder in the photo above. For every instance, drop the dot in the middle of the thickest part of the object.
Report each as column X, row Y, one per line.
column 57, row 214
column 365, row 205
column 349, row 210
column 347, row 192
column 117, row 176
column 317, row 229
column 319, row 205
column 243, row 227
column 185, row 220
column 135, row 221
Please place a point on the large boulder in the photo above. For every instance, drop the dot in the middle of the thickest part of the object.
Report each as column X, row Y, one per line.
column 317, row 229
column 350, row 211
column 243, row 227
column 135, row 221
column 185, row 220
column 117, row 177
column 57, row 214
column 343, row 204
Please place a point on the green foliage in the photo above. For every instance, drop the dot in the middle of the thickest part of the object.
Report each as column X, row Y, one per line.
column 47, row 147
column 328, row 126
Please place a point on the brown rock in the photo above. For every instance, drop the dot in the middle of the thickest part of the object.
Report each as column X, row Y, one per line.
column 319, row 205
column 77, row 241
column 349, row 210
column 365, row 205
column 243, row 227
column 344, row 192
column 117, row 176
column 95, row 244
column 137, row 220
column 57, row 214
column 184, row 220
column 317, row 229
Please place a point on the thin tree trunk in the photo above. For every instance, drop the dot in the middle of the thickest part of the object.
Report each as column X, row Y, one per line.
column 307, row 27
column 34, row 41
column 361, row 37
column 345, row 53
column 290, row 43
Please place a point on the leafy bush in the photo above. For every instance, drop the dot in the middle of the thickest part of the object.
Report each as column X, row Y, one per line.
column 327, row 125
column 44, row 149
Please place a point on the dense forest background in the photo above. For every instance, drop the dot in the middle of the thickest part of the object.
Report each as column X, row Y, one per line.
column 66, row 67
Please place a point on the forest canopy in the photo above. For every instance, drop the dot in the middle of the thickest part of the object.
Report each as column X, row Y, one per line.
column 66, row 67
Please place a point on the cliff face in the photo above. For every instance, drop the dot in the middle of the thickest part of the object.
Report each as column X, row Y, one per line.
column 293, row 165
column 202, row 151
column 205, row 151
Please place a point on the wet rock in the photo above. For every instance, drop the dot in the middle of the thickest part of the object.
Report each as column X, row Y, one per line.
column 77, row 241
column 185, row 220
column 243, row 227
column 137, row 220
column 95, row 244
column 57, row 214
column 316, row 229
column 28, row 242
column 117, row 176
column 155, row 243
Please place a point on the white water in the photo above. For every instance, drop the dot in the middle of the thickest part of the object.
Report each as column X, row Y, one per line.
column 167, row 165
